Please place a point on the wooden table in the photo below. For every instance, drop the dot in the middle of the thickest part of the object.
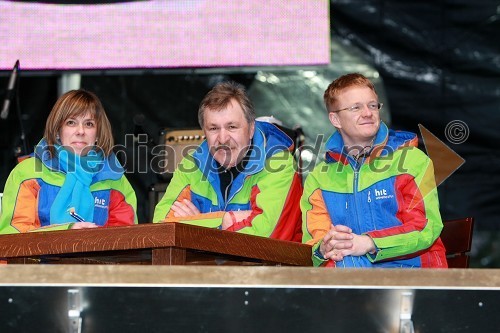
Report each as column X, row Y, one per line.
column 156, row 244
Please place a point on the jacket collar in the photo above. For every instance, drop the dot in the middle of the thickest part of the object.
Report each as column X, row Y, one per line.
column 266, row 141
column 386, row 141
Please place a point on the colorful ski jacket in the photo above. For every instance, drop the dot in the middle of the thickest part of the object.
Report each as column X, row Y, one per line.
column 390, row 196
column 34, row 183
column 269, row 186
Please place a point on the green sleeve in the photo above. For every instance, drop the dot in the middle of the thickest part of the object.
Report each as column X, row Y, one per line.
column 55, row 227
column 23, row 172
column 8, row 203
column 186, row 173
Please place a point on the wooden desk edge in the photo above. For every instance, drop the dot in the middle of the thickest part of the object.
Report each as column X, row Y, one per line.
column 153, row 236
column 247, row 277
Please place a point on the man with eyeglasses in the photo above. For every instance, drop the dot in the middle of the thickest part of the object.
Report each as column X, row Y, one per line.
column 373, row 201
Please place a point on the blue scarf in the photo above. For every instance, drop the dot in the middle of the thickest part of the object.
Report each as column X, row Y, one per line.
column 75, row 194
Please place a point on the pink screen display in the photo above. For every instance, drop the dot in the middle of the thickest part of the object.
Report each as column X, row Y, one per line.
column 164, row 34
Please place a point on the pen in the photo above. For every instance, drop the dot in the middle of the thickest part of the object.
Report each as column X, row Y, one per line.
column 75, row 215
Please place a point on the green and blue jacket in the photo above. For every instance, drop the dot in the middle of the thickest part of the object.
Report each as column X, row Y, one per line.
column 269, row 186
column 34, row 183
column 390, row 196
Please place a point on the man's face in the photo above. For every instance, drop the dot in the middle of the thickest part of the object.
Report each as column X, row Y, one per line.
column 357, row 128
column 228, row 134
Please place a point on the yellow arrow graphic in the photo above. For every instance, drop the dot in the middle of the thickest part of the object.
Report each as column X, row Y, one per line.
column 445, row 160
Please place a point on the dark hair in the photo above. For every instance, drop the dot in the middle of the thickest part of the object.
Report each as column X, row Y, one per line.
column 77, row 103
column 221, row 95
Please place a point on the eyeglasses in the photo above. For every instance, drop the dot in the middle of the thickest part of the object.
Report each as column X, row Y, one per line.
column 359, row 106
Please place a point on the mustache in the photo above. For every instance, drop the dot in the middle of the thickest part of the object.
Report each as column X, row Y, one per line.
column 223, row 147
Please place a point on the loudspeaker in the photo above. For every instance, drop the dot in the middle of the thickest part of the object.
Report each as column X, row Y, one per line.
column 177, row 143
column 156, row 192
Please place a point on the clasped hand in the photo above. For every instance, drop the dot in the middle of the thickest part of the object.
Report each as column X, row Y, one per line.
column 186, row 208
column 340, row 241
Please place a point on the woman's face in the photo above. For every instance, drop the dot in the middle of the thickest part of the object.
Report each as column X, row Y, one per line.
column 79, row 134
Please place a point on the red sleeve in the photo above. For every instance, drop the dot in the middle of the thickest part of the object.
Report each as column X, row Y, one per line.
column 121, row 213
column 411, row 209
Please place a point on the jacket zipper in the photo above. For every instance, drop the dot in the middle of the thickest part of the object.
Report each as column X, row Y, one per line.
column 355, row 191
column 234, row 194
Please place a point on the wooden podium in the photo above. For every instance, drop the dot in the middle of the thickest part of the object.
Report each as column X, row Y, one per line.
column 151, row 244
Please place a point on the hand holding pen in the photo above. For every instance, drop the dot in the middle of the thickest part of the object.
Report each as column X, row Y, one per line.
column 81, row 224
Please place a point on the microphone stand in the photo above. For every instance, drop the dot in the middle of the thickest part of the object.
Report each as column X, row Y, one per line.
column 13, row 90
column 20, row 151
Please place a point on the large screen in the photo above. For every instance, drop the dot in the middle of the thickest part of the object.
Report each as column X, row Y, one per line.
column 53, row 35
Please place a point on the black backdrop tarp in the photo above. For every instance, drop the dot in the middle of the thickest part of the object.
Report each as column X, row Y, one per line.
column 439, row 61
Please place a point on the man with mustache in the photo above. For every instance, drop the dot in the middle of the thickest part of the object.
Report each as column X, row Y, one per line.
column 373, row 202
column 241, row 178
